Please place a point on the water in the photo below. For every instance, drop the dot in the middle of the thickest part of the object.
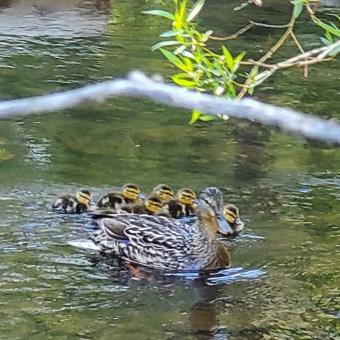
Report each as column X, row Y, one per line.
column 284, row 279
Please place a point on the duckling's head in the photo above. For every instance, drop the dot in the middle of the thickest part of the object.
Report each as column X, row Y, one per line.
column 210, row 210
column 163, row 192
column 84, row 197
column 131, row 191
column 186, row 196
column 232, row 215
column 153, row 204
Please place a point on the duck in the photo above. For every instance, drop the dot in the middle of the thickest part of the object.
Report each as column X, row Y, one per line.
column 163, row 192
column 232, row 214
column 73, row 204
column 123, row 200
column 164, row 243
column 183, row 205
column 152, row 205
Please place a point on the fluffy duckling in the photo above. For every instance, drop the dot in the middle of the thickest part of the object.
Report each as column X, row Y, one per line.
column 232, row 215
column 151, row 206
column 163, row 192
column 123, row 200
column 183, row 205
column 73, row 204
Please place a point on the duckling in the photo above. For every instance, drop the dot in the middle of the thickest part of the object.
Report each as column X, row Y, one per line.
column 184, row 205
column 123, row 200
column 163, row 192
column 168, row 244
column 232, row 215
column 73, row 204
column 151, row 206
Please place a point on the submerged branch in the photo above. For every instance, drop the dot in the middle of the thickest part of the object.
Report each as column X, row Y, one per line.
column 138, row 85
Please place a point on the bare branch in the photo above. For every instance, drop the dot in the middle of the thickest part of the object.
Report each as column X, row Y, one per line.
column 138, row 85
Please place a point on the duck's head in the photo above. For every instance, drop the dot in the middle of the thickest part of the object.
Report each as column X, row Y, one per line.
column 84, row 197
column 153, row 204
column 186, row 196
column 131, row 191
column 163, row 192
column 210, row 210
column 232, row 214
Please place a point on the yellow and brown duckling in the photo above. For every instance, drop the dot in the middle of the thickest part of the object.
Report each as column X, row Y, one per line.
column 152, row 205
column 165, row 243
column 125, row 199
column 183, row 205
column 232, row 215
column 163, row 192
column 73, row 204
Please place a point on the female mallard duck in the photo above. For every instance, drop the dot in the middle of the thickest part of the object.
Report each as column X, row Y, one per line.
column 183, row 205
column 163, row 192
column 73, row 204
column 167, row 244
column 232, row 215
column 123, row 200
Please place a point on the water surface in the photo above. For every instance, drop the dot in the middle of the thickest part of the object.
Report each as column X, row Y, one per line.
column 284, row 279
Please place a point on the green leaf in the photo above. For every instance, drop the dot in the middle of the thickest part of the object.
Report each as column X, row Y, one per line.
column 298, row 7
column 171, row 33
column 194, row 116
column 206, row 118
column 173, row 59
column 238, row 60
column 195, row 10
column 164, row 43
column 328, row 28
column 160, row 13
column 188, row 55
column 206, row 35
column 228, row 58
column 180, row 49
column 183, row 82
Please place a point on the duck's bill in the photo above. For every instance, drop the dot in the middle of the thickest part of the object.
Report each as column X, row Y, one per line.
column 239, row 226
column 223, row 226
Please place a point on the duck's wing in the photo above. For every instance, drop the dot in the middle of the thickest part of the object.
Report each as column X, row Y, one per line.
column 146, row 230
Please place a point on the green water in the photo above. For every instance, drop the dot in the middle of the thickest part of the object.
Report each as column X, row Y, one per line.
column 284, row 280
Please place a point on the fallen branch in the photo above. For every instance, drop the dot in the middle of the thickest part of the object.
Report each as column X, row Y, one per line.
column 138, row 85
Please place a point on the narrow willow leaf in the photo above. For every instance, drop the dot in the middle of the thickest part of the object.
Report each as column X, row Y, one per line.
column 160, row 13
column 164, row 43
column 206, row 35
column 328, row 28
column 173, row 59
column 181, row 12
column 195, row 10
column 183, row 82
column 188, row 55
column 228, row 58
column 298, row 7
column 194, row 116
column 180, row 49
column 206, row 118
column 171, row 33
column 238, row 60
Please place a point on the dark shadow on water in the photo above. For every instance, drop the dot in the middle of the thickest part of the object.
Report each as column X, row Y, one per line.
column 209, row 289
